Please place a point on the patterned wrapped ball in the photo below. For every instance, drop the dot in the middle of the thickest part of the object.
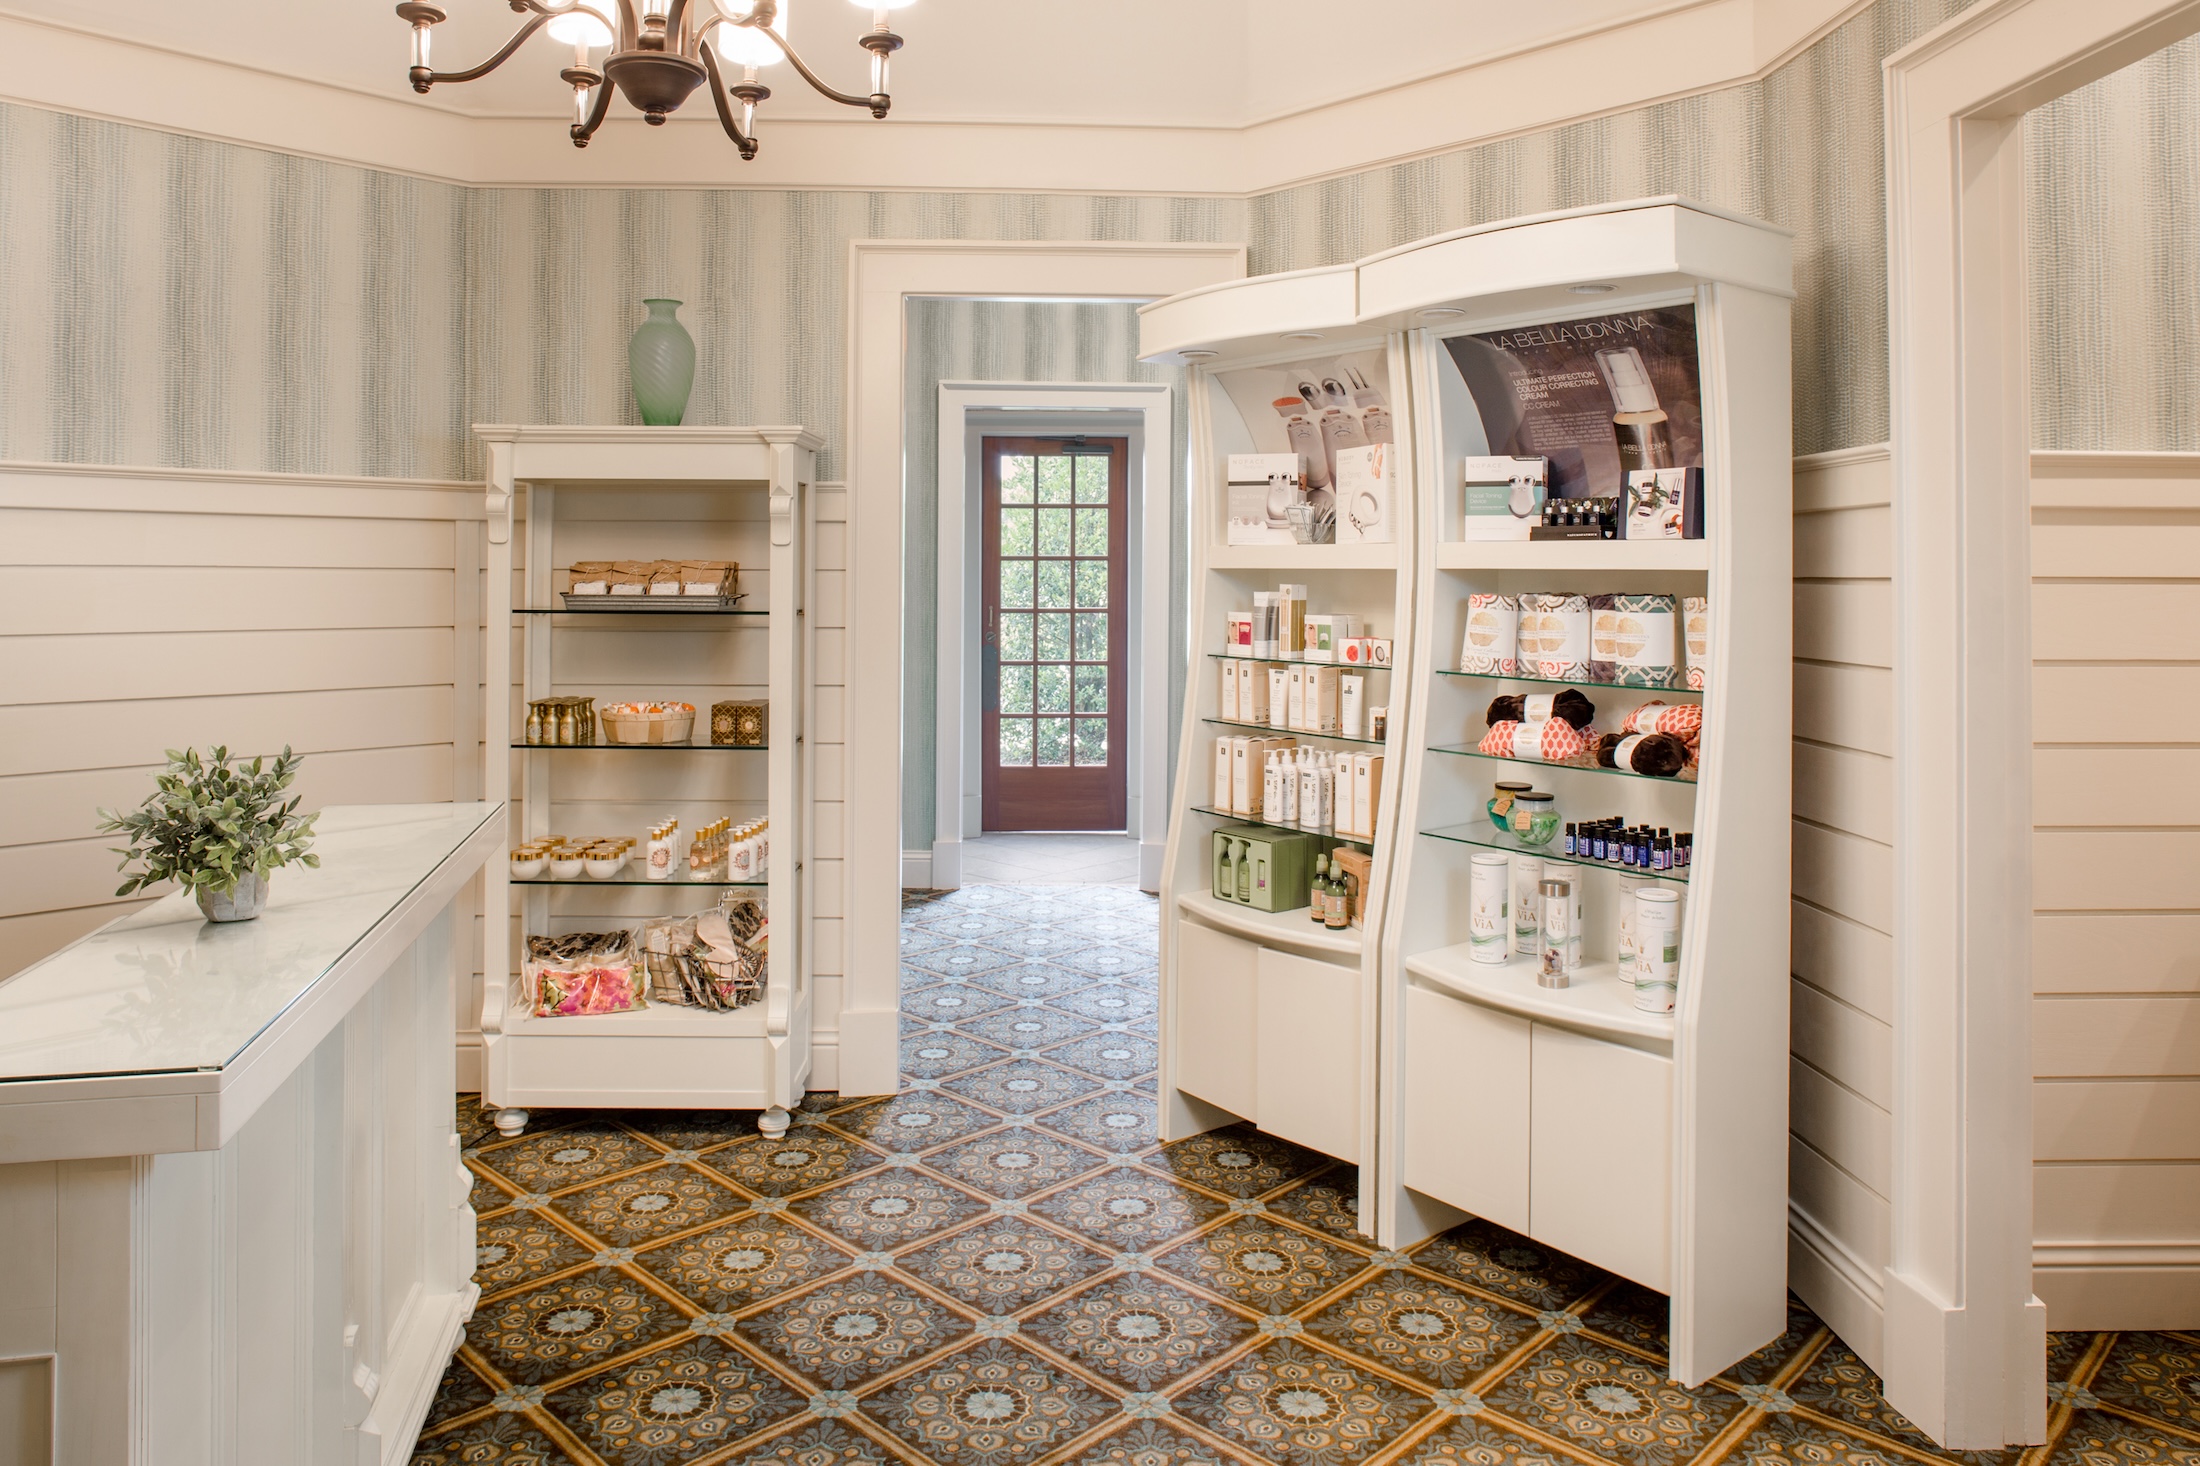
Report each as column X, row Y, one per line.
column 1553, row 741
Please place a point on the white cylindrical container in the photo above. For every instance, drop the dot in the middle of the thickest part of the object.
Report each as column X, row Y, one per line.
column 1624, row 948
column 1527, row 921
column 1488, row 911
column 1658, row 943
column 1555, row 894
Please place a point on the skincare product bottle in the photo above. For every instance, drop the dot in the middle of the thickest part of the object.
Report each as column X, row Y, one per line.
column 1527, row 920
column 1224, row 882
column 1637, row 421
column 534, row 722
column 1317, row 889
column 660, row 851
column 1287, row 784
column 1556, row 896
column 1351, row 705
column 1487, row 916
column 1245, row 872
column 1339, row 915
column 1658, row 948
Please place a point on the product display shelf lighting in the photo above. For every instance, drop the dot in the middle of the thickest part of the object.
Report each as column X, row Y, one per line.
column 1486, row 838
column 657, row 52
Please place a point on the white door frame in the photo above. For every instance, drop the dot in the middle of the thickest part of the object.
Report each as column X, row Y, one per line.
column 882, row 276
column 1152, row 508
column 1964, row 1350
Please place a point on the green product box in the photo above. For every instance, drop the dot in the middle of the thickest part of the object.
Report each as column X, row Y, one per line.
column 1282, row 865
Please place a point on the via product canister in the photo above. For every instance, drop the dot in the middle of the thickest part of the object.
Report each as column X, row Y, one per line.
column 1628, row 886
column 1645, row 652
column 1492, row 640
column 1527, row 923
column 1488, row 912
column 1554, row 636
column 1555, row 894
column 1658, row 948
column 1696, row 636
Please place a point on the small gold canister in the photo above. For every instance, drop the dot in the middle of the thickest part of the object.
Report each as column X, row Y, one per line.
column 739, row 724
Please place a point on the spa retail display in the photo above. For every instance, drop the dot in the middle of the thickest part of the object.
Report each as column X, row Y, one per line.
column 652, row 818
column 1648, row 335
column 218, row 827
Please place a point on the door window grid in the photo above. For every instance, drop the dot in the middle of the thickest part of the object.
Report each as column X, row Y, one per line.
column 1053, row 633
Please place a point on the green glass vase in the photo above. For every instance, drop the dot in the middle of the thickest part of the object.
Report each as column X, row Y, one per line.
column 661, row 359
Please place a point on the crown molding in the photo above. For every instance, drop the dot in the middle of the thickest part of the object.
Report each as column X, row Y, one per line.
column 1681, row 49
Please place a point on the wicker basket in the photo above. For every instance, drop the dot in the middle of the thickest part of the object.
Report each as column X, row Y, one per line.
column 646, row 722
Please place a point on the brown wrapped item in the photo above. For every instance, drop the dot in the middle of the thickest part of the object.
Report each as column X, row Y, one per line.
column 1356, row 865
column 589, row 578
column 630, row 577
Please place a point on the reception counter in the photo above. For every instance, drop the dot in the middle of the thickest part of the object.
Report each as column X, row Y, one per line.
column 233, row 1219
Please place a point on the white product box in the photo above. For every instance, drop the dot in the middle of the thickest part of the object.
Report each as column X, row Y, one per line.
column 1365, row 512
column 1252, row 692
column 1259, row 486
column 1321, row 699
column 1222, row 795
column 1279, row 697
column 1294, row 716
column 1293, row 624
column 1244, row 775
column 1502, row 498
column 1229, row 703
column 1367, row 789
column 1351, row 706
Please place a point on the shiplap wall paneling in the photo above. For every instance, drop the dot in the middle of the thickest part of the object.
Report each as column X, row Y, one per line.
column 1840, row 1098
column 828, row 725
column 142, row 610
column 2116, row 889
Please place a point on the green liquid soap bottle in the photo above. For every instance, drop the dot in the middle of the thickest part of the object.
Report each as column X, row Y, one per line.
column 1225, row 875
column 1317, row 892
column 1245, row 872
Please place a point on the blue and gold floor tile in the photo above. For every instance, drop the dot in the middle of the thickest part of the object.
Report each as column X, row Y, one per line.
column 1237, row 1161
column 746, row 1260
column 916, row 1121
column 460, row 1392
column 1843, row 1388
column 954, row 961
column 803, row 1159
column 558, row 1160
column 685, row 1400
column 992, row 1404
column 1022, row 1086
column 2152, row 1374
column 952, row 1002
column 1438, row 1335
column 848, row 1331
column 494, row 1440
column 1481, row 1440
column 1139, row 1331
column 1128, row 1210
column 1014, row 1162
column 935, row 1055
column 697, row 1130
column 1634, row 1316
column 1147, row 1443
column 1003, row 1265
column 1787, row 1437
column 1109, row 1055
column 1266, row 1267
column 1030, row 1027
column 1109, row 1002
column 1287, row 1403
column 1610, row 1404
column 889, row 1208
column 520, row 1247
column 1507, row 1264
column 647, row 1205
column 1329, row 1202
column 571, row 1324
column 1123, row 1122
column 1107, row 964
column 2103, row 1438
column 828, row 1442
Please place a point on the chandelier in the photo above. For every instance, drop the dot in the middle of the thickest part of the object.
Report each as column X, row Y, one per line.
column 659, row 51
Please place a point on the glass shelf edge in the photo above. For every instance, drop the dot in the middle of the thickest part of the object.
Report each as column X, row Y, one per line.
column 1583, row 683
column 675, row 883
column 1464, row 751
column 1294, row 732
column 1246, row 819
column 1552, row 852
column 645, row 747
column 1298, row 662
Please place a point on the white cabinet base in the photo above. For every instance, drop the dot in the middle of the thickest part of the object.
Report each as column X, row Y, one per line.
column 1466, row 1107
column 1306, row 1071
column 1600, row 1163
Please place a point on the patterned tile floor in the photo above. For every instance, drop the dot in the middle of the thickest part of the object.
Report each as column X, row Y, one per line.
column 999, row 1267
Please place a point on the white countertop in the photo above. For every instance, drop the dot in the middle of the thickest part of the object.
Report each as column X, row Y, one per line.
column 164, row 991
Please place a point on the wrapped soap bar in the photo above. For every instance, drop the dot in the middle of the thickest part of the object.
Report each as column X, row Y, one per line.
column 1554, row 636
column 1696, row 636
column 1685, row 721
column 1643, row 644
column 1492, row 640
column 1552, row 741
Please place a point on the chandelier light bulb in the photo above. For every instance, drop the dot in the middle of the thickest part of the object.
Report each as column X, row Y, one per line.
column 746, row 45
column 883, row 4
column 581, row 26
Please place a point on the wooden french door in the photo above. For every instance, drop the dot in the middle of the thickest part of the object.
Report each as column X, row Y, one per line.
column 1053, row 634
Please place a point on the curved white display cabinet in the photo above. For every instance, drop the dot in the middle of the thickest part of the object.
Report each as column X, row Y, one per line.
column 1651, row 1144
column 601, row 493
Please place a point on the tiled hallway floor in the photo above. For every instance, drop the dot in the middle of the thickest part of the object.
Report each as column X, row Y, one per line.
column 1001, row 1268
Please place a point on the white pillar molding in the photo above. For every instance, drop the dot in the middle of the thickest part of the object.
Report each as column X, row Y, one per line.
column 1964, row 1345
column 883, row 275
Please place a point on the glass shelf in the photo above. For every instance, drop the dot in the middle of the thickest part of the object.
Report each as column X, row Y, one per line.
column 1223, row 814
column 645, row 747
column 634, row 613
column 1584, row 685
column 1468, row 750
column 1485, row 836
column 1297, row 662
column 1293, row 732
column 635, row 875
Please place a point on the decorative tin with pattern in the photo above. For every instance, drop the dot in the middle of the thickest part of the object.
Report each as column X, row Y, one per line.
column 1696, row 635
column 1492, row 640
column 1640, row 639
column 1554, row 635
column 739, row 724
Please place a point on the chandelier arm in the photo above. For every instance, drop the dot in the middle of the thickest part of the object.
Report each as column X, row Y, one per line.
column 741, row 140
column 816, row 82
column 673, row 17
column 598, row 106
column 477, row 72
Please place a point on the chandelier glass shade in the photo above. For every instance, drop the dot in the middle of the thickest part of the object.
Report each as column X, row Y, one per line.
column 657, row 53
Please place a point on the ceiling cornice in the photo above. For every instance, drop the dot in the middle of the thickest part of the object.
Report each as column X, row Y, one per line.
column 1684, row 48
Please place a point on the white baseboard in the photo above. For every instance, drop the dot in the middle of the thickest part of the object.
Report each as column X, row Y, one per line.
column 1150, row 853
column 2128, row 1286
column 947, row 865
column 916, row 870
column 1840, row 1287
column 825, row 1061
column 469, row 1063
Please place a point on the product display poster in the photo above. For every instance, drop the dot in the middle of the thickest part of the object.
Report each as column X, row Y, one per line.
column 1315, row 408
column 1599, row 397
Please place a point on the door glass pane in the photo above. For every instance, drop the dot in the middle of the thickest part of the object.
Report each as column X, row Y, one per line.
column 1054, row 531
column 1092, row 742
column 1092, row 480
column 1054, row 480
column 1015, row 636
column 1053, row 583
column 1015, row 689
column 1015, row 479
column 1016, row 531
column 1053, row 644
column 1092, row 636
column 1015, row 743
column 1092, row 532
column 1053, row 689
column 1015, row 582
column 1053, row 742
column 1092, row 689
column 1092, row 583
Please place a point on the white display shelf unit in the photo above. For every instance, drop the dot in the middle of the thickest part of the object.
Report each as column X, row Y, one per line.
column 561, row 494
column 1652, row 1145
column 1265, row 1016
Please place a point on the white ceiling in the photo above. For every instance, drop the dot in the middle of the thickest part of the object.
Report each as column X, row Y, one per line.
column 1179, row 63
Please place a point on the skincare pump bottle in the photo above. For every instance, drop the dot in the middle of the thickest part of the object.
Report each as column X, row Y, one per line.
column 1637, row 421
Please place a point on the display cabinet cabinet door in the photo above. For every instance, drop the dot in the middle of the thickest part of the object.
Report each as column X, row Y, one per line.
column 1307, row 1053
column 1600, row 1168
column 1466, row 1106
column 1215, row 1017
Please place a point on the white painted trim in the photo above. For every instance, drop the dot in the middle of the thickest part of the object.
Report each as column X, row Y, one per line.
column 1676, row 49
column 1153, row 506
column 129, row 488
column 1842, row 1288
column 882, row 276
column 916, row 870
column 1965, row 1356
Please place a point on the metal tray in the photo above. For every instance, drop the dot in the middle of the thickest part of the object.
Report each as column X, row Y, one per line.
column 660, row 605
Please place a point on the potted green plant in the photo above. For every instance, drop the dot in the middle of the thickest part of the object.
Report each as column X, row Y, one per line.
column 218, row 828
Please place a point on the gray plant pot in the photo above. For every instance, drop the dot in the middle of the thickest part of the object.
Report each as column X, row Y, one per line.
column 242, row 904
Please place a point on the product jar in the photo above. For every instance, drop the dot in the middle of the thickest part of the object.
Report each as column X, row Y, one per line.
column 1501, row 803
column 1534, row 819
